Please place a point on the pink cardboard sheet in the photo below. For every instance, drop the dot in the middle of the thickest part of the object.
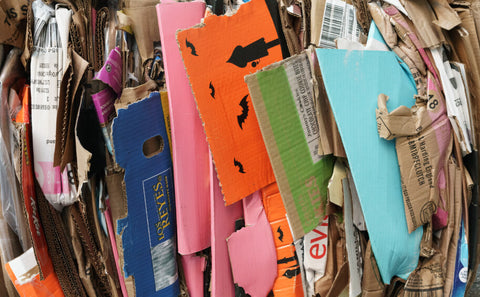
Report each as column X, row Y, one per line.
column 189, row 146
column 252, row 250
column 223, row 225
column 193, row 268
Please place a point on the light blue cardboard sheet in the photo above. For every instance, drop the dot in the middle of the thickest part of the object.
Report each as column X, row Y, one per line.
column 353, row 81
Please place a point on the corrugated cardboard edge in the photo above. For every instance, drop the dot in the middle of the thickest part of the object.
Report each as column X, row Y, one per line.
column 273, row 151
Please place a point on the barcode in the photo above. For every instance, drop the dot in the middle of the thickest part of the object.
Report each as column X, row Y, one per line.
column 339, row 20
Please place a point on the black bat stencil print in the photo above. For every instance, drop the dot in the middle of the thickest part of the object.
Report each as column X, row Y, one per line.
column 280, row 234
column 242, row 117
column 192, row 48
column 212, row 90
column 239, row 165
column 290, row 273
column 242, row 55
column 286, row 260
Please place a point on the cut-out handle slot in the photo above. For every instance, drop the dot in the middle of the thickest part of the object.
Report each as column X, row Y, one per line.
column 153, row 146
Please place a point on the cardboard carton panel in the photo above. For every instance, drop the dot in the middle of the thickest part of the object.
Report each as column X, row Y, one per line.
column 217, row 55
column 148, row 232
column 373, row 161
column 189, row 146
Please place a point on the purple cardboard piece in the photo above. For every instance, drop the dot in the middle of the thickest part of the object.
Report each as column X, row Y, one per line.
column 189, row 145
column 148, row 232
column 104, row 105
column 111, row 72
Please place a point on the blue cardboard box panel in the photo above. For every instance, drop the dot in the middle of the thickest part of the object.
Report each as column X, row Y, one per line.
column 148, row 232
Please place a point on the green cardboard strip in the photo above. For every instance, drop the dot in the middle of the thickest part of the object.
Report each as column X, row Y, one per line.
column 283, row 102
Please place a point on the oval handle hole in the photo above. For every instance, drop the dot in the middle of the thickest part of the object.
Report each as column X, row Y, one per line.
column 153, row 146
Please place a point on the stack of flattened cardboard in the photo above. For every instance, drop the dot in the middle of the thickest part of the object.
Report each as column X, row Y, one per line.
column 223, row 148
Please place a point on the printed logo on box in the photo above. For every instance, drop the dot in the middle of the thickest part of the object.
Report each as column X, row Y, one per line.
column 157, row 193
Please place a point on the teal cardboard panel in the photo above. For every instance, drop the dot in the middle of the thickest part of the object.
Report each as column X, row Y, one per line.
column 353, row 81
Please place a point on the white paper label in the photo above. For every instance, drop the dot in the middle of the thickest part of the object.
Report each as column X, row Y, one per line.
column 299, row 78
column 352, row 238
column 339, row 20
column 315, row 254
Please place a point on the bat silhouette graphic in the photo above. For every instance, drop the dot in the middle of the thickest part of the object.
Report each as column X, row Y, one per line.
column 280, row 234
column 290, row 273
column 242, row 55
column 212, row 90
column 241, row 118
column 239, row 165
column 189, row 45
column 286, row 260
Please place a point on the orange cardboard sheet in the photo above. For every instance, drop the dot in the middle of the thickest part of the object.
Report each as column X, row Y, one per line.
column 289, row 280
column 217, row 55
column 25, row 276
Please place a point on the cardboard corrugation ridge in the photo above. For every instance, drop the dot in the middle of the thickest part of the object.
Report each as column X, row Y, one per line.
column 59, row 248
